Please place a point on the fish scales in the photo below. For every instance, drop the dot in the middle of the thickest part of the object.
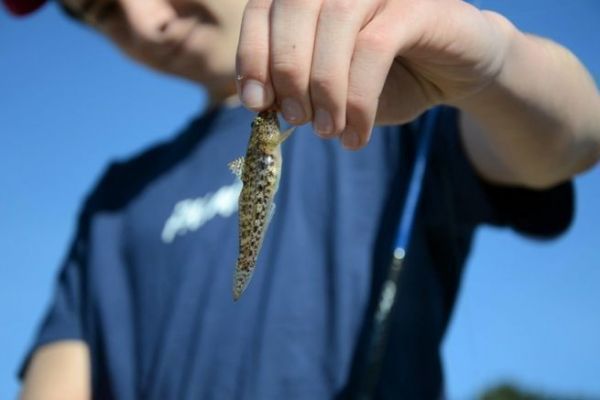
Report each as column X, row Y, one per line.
column 260, row 171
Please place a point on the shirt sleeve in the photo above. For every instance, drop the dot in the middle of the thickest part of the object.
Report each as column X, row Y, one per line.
column 540, row 213
column 68, row 314
column 63, row 318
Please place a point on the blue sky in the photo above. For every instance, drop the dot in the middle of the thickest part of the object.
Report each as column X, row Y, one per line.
column 528, row 311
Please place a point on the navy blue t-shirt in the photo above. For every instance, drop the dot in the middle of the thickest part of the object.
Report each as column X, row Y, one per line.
column 147, row 281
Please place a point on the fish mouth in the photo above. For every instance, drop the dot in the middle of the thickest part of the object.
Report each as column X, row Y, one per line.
column 240, row 283
column 269, row 117
column 268, row 114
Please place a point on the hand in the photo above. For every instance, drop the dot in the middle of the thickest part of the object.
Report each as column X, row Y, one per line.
column 347, row 64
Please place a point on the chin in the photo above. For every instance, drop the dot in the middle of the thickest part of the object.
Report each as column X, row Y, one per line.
column 205, row 68
column 200, row 71
column 218, row 81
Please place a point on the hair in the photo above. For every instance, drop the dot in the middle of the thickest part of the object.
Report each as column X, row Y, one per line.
column 70, row 13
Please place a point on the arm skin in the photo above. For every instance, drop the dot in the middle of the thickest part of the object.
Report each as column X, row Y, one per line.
column 58, row 371
column 538, row 123
column 531, row 112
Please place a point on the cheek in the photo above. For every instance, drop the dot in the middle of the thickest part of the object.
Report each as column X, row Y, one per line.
column 121, row 37
column 214, row 45
column 208, row 52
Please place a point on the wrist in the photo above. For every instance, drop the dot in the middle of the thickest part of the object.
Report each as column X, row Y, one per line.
column 500, row 68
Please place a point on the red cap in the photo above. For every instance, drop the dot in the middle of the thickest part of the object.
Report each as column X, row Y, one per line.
column 23, row 7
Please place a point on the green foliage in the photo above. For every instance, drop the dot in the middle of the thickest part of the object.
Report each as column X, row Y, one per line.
column 510, row 392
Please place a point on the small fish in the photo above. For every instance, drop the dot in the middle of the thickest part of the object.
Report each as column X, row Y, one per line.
column 259, row 171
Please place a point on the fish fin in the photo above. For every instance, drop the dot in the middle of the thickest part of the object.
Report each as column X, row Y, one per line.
column 241, row 280
column 237, row 167
column 283, row 136
column 271, row 213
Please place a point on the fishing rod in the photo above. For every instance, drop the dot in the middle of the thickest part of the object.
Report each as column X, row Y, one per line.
column 389, row 290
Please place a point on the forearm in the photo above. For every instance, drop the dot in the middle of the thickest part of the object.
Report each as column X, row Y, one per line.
column 538, row 122
column 59, row 370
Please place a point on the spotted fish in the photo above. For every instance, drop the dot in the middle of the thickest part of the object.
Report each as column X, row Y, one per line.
column 259, row 171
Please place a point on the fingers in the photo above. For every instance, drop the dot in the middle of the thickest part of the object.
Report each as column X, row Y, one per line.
column 376, row 48
column 338, row 27
column 320, row 60
column 293, row 26
column 252, row 63
column 370, row 65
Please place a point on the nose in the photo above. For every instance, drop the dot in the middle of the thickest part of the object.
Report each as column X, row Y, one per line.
column 148, row 20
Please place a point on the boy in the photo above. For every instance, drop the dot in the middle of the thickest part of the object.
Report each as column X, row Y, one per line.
column 143, row 306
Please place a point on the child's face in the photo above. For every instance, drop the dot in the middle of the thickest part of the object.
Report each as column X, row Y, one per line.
column 194, row 39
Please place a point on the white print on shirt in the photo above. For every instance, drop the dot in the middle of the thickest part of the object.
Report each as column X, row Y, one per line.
column 190, row 214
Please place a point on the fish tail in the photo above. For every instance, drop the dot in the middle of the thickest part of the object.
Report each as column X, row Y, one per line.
column 241, row 278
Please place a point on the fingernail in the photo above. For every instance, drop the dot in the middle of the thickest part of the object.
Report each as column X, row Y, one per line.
column 350, row 139
column 323, row 123
column 292, row 110
column 253, row 94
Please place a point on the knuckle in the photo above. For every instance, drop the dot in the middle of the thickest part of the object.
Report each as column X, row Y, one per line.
column 294, row 4
column 357, row 106
column 247, row 55
column 340, row 8
column 324, row 84
column 375, row 40
column 361, row 96
column 287, row 70
column 361, row 109
column 252, row 49
column 258, row 6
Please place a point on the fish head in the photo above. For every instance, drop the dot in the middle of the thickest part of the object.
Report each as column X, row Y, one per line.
column 265, row 129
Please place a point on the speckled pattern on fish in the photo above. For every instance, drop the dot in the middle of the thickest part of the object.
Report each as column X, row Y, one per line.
column 260, row 171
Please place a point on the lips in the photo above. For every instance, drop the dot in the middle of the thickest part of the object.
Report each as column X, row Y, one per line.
column 196, row 10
